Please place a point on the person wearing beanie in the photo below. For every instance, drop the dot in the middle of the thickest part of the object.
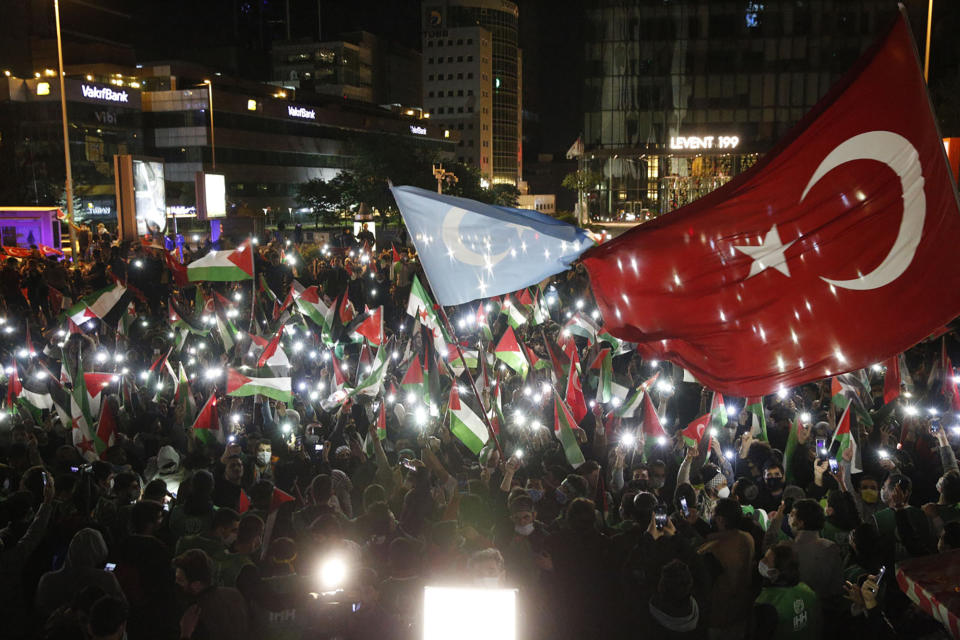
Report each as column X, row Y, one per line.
column 673, row 612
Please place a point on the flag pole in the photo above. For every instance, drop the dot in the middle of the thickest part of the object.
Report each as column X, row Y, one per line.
column 473, row 385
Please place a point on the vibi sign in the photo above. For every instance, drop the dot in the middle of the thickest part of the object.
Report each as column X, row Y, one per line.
column 419, row 131
column 301, row 112
column 106, row 94
column 704, row 142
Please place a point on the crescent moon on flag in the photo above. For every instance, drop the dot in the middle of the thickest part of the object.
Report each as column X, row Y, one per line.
column 901, row 156
column 450, row 232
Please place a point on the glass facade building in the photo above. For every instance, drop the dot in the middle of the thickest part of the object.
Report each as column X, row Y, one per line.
column 681, row 95
column 500, row 19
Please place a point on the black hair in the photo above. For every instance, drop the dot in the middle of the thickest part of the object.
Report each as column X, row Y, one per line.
column 810, row 513
column 224, row 518
column 143, row 514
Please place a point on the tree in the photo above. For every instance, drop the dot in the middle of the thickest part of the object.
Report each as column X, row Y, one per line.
column 582, row 181
column 325, row 197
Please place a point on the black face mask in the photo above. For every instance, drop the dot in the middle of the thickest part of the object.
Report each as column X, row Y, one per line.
column 774, row 484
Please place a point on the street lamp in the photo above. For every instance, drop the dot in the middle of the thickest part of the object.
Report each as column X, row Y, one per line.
column 66, row 139
column 926, row 55
column 213, row 143
column 442, row 174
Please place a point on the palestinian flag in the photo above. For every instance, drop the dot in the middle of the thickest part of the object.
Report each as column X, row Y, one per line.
column 372, row 384
column 229, row 334
column 629, row 407
column 483, row 322
column 540, row 311
column 465, row 424
column 58, row 301
column 369, row 326
column 278, row 361
column 694, row 432
column 616, row 344
column 603, row 363
column 270, row 349
column 844, row 435
column 758, row 420
column 650, row 424
column 207, row 425
column 513, row 311
column 184, row 397
column 223, row 266
column 381, row 431
column 96, row 305
column 563, row 425
column 339, row 378
column 239, row 385
column 846, row 389
column 718, row 412
column 421, row 307
column 574, row 396
column 413, row 380
column 559, row 363
column 508, row 351
column 310, row 303
column 32, row 392
column 581, row 325
column 496, row 410
column 96, row 384
column 458, row 364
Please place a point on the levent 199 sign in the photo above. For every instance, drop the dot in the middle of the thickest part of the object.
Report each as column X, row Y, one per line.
column 703, row 142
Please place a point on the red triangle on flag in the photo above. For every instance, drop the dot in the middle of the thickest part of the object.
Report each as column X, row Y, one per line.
column 235, row 380
column 242, row 256
column 396, row 256
column 371, row 327
column 270, row 349
column 651, row 421
column 508, row 342
column 414, row 374
column 454, row 402
column 107, row 426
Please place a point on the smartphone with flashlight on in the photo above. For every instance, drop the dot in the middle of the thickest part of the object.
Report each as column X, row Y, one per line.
column 883, row 570
column 821, row 448
column 660, row 516
column 110, row 566
column 934, row 425
column 684, row 508
column 834, row 465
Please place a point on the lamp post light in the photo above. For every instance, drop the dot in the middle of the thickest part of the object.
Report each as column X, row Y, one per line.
column 66, row 139
column 213, row 142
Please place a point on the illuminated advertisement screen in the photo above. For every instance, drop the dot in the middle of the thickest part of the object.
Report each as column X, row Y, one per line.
column 150, row 196
column 216, row 195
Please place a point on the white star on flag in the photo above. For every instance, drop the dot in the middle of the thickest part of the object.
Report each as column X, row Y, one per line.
column 768, row 254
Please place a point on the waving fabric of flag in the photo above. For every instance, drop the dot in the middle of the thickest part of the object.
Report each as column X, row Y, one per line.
column 472, row 250
column 766, row 281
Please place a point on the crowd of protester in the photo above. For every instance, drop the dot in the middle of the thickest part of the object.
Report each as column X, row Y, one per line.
column 303, row 523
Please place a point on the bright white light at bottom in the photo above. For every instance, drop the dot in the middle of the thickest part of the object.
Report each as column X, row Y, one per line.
column 446, row 608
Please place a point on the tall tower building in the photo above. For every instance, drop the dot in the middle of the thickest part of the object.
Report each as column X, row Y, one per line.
column 472, row 81
column 680, row 96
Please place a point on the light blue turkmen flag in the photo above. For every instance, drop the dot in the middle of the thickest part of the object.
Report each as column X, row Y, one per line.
column 472, row 250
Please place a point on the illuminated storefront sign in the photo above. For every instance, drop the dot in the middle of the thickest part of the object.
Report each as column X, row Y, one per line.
column 301, row 112
column 93, row 92
column 420, row 131
column 704, row 142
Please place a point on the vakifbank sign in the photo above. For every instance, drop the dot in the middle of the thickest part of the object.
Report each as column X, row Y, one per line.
column 106, row 94
column 301, row 112
column 95, row 93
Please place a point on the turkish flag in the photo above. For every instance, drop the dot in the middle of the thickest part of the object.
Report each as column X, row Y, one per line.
column 802, row 267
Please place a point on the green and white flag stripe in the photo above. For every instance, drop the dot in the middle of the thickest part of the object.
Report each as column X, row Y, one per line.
column 465, row 424
column 222, row 266
column 373, row 382
column 563, row 428
column 239, row 385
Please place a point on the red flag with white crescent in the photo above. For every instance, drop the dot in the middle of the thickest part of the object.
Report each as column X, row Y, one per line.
column 798, row 269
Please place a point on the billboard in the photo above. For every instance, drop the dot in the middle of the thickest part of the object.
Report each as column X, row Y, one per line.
column 150, row 196
column 211, row 195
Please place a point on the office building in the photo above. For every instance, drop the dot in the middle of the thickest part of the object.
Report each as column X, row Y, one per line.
column 358, row 66
column 473, row 66
column 265, row 141
column 681, row 96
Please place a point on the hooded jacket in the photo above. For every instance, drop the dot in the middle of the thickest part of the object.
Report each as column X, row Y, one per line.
column 83, row 568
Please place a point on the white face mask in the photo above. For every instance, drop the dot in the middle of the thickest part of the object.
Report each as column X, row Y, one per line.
column 768, row 572
column 263, row 458
column 524, row 529
column 723, row 492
